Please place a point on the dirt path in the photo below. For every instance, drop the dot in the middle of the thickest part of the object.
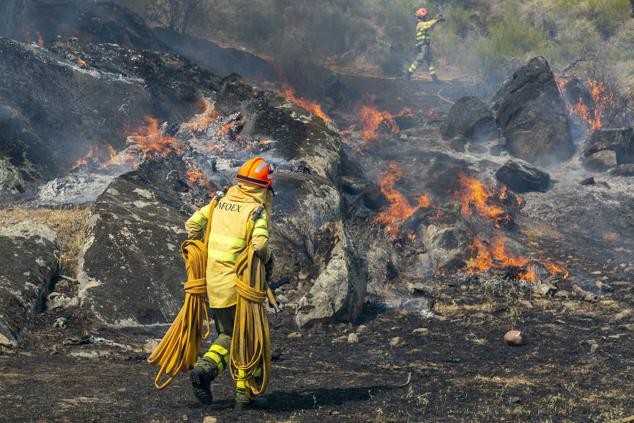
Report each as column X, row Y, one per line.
column 460, row 369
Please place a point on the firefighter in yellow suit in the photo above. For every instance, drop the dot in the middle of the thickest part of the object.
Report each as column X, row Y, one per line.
column 250, row 198
column 423, row 44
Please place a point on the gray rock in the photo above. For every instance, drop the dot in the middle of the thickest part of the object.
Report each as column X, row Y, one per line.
column 458, row 143
column 622, row 170
column 588, row 181
column 620, row 141
column 470, row 118
column 447, row 244
column 131, row 272
column 339, row 290
column 532, row 115
column 600, row 161
column 522, row 177
column 28, row 264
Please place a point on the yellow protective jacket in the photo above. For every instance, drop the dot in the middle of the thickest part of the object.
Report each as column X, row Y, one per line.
column 227, row 238
column 423, row 31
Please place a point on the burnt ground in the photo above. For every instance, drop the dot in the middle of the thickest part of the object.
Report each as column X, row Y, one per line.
column 576, row 367
column 461, row 370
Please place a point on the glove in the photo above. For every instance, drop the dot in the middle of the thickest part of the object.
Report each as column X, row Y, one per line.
column 268, row 268
column 440, row 18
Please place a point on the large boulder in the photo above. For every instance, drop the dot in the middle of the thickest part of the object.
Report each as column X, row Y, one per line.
column 131, row 272
column 619, row 140
column 56, row 104
column 532, row 115
column 522, row 177
column 28, row 264
column 471, row 118
column 339, row 290
column 446, row 240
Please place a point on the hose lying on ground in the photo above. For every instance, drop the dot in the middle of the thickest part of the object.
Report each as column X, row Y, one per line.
column 250, row 343
column 179, row 348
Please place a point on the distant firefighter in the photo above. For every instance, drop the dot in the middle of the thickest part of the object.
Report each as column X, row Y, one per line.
column 423, row 43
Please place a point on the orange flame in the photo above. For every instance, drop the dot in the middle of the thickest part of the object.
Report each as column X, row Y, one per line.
column 288, row 92
column 196, row 177
column 150, row 139
column 476, row 195
column 101, row 157
column 372, row 118
column 400, row 208
column 208, row 115
column 81, row 62
column 603, row 99
column 556, row 269
column 493, row 256
column 40, row 40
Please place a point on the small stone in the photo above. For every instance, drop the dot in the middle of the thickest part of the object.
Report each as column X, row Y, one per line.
column 564, row 295
column 210, row 419
column 603, row 286
column 60, row 322
column 353, row 338
column 395, row 341
column 362, row 329
column 594, row 347
column 545, row 290
column 629, row 326
column 588, row 181
column 340, row 339
column 622, row 315
column 150, row 345
column 421, row 331
column 514, row 338
column 515, row 400
column 294, row 335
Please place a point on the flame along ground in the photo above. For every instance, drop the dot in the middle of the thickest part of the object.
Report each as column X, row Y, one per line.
column 604, row 103
column 288, row 93
column 400, row 208
column 474, row 197
column 371, row 119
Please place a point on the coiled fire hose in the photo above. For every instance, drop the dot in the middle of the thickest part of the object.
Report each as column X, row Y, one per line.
column 251, row 344
column 179, row 348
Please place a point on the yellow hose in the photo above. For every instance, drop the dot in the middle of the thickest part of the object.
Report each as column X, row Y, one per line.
column 250, row 343
column 179, row 348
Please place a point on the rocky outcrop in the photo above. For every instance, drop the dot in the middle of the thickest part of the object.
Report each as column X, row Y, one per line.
column 28, row 264
column 607, row 148
column 532, row 115
column 64, row 101
column 131, row 272
column 339, row 290
column 471, row 118
column 522, row 177
column 447, row 241
column 94, row 21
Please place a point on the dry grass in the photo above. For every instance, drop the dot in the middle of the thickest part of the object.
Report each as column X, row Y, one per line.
column 69, row 223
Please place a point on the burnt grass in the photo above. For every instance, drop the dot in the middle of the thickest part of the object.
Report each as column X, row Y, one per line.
column 459, row 370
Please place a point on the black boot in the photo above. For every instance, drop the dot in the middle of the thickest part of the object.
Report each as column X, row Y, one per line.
column 435, row 78
column 407, row 76
column 201, row 376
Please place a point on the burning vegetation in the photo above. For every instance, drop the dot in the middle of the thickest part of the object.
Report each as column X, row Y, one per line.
column 400, row 209
column 372, row 120
column 592, row 103
column 491, row 204
column 288, row 93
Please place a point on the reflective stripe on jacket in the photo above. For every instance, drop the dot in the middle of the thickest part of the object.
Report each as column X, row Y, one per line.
column 423, row 31
column 227, row 238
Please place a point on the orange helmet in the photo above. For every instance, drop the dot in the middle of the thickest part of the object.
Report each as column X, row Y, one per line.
column 422, row 13
column 255, row 171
